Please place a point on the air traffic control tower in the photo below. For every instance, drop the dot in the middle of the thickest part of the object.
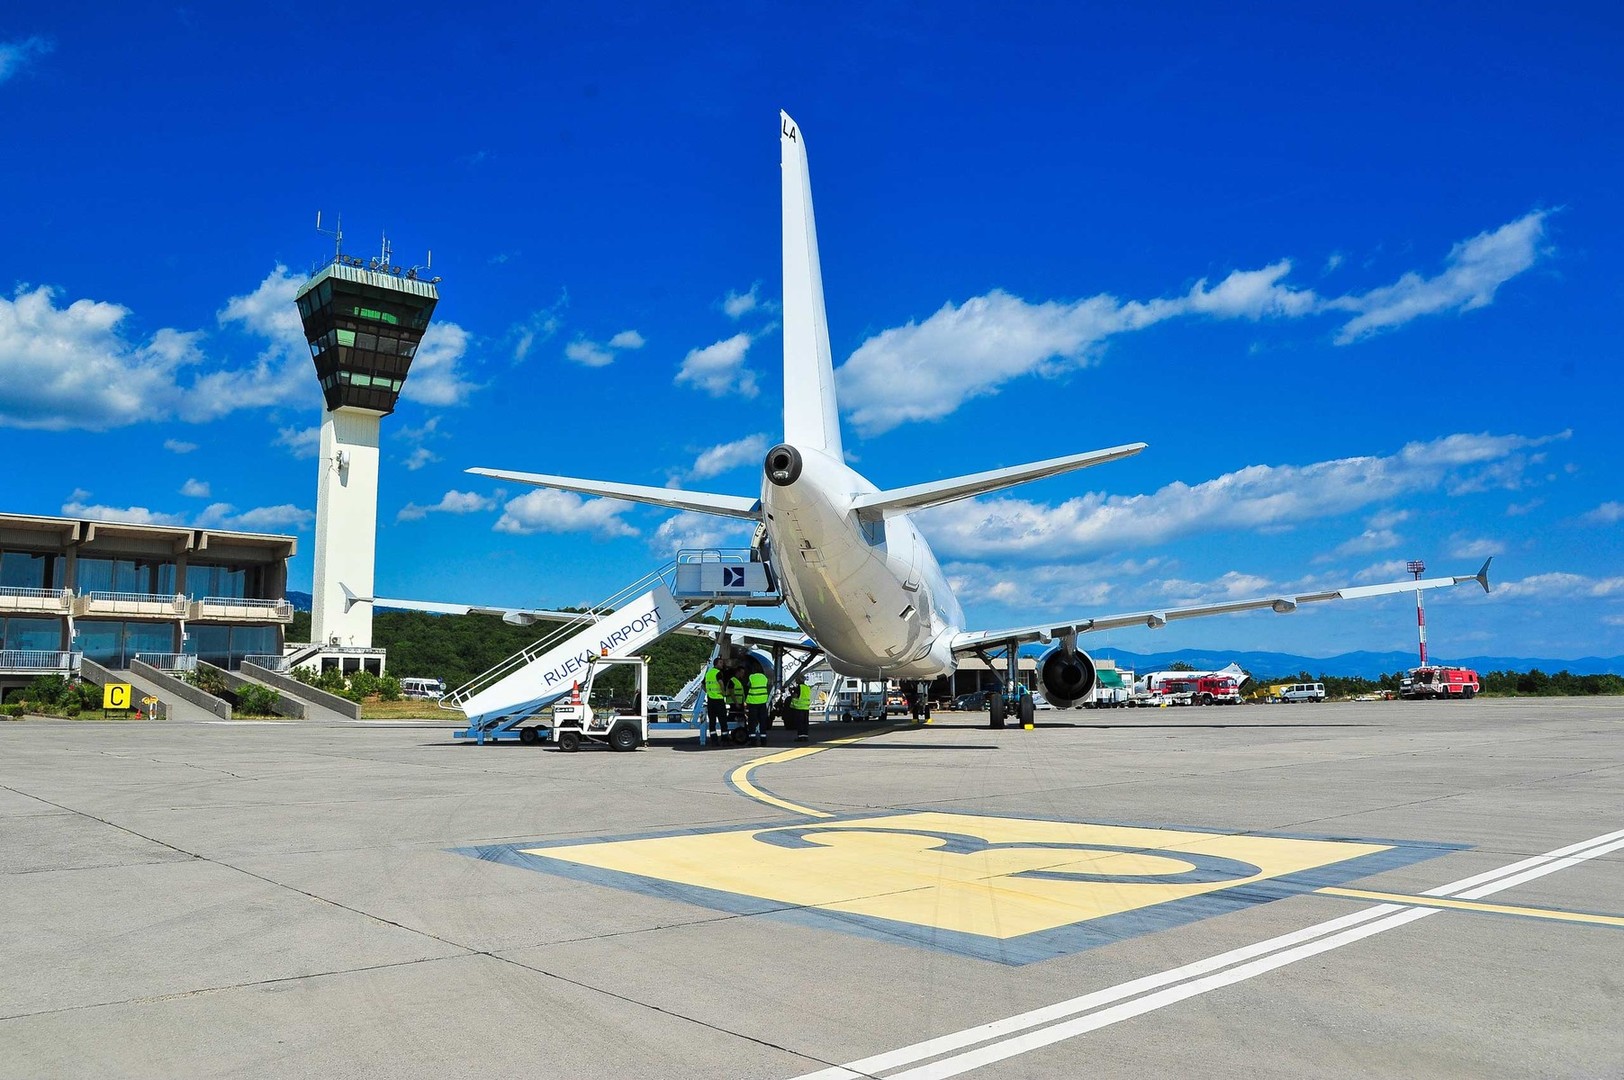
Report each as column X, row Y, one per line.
column 364, row 320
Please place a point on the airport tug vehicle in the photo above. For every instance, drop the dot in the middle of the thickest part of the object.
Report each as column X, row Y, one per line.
column 575, row 721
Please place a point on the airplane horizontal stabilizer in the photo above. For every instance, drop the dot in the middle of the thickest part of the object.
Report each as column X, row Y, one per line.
column 970, row 641
column 699, row 502
column 937, row 492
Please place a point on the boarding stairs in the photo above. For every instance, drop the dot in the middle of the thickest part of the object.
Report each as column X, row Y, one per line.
column 497, row 702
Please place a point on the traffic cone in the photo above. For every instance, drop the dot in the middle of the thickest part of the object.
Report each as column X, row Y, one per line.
column 575, row 693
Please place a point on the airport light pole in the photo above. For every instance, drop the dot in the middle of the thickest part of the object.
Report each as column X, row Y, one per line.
column 1417, row 567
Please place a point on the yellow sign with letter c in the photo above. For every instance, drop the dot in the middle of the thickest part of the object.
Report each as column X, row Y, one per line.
column 116, row 695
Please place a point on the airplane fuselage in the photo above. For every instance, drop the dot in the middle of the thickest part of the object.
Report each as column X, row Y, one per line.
column 866, row 588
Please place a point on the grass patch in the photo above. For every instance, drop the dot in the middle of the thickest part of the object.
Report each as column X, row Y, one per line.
column 373, row 709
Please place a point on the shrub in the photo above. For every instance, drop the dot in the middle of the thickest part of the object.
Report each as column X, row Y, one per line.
column 388, row 688
column 363, row 684
column 304, row 675
column 47, row 690
column 331, row 680
column 13, row 710
column 208, row 680
column 255, row 700
column 87, row 695
column 71, row 711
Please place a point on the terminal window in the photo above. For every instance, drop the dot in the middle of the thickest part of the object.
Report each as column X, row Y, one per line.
column 25, row 570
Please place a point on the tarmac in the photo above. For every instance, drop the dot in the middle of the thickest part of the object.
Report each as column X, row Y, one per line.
column 1364, row 889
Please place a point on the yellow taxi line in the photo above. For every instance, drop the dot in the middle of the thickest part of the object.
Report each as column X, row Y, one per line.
column 740, row 777
column 1475, row 905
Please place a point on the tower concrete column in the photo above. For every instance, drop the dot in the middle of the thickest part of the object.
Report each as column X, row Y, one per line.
column 346, row 527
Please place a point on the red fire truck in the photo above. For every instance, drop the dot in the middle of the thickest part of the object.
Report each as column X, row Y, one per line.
column 1438, row 682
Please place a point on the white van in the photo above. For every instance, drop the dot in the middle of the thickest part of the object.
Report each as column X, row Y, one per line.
column 422, row 689
column 1304, row 691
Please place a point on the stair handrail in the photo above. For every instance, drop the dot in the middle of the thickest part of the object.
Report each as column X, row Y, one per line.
column 596, row 613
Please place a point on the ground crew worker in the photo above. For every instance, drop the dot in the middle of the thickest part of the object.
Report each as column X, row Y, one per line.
column 735, row 695
column 800, row 708
column 755, row 701
column 715, row 701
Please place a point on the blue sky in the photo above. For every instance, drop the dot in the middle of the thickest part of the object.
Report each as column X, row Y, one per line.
column 1347, row 276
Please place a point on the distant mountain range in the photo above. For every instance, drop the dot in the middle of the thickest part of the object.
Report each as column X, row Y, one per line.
column 1369, row 665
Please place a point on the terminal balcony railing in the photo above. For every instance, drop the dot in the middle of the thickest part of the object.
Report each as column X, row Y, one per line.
column 51, row 601
column 38, row 661
column 169, row 661
column 269, row 661
column 129, row 603
column 240, row 607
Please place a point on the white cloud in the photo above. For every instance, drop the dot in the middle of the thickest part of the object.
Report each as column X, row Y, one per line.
column 453, row 502
column 736, row 305
column 589, row 353
column 300, row 442
column 971, row 349
column 196, row 489
column 545, row 511
column 1472, row 272
column 1252, row 498
column 1462, row 547
column 264, row 517
column 1386, row 519
column 1520, row 509
column 688, row 530
column 418, row 458
column 437, row 376
column 176, row 446
column 539, row 327
column 1366, row 542
column 719, row 369
column 16, row 55
column 1560, row 585
column 70, row 367
column 1608, row 513
column 218, row 515
column 719, row 459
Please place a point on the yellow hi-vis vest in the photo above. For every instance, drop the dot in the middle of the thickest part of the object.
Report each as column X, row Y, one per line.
column 803, row 697
column 713, row 684
column 758, row 689
column 735, row 691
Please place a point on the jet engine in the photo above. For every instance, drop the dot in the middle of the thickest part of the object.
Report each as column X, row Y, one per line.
column 1065, row 679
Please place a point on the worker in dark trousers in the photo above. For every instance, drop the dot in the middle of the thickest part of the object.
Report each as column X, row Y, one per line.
column 715, row 702
column 755, row 703
column 800, row 707
column 733, row 682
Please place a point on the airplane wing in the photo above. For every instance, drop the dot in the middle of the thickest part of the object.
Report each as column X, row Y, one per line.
column 739, row 635
column 937, row 492
column 515, row 616
column 698, row 501
column 970, row 641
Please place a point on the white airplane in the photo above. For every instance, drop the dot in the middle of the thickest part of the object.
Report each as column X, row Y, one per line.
column 856, row 573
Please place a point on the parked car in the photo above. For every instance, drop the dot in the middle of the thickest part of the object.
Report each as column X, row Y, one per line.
column 896, row 703
column 974, row 701
column 1303, row 691
column 414, row 689
column 1039, row 702
column 661, row 707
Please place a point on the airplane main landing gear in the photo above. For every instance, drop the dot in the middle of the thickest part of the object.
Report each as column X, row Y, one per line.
column 995, row 710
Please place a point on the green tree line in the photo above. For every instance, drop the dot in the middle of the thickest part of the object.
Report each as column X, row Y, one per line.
column 1532, row 683
column 458, row 647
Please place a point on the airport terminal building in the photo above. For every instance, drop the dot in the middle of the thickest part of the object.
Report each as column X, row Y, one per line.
column 108, row 591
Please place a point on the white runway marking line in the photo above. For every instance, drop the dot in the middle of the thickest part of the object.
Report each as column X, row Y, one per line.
column 1065, row 1022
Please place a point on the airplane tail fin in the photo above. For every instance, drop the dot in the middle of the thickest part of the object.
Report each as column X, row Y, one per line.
column 811, row 418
